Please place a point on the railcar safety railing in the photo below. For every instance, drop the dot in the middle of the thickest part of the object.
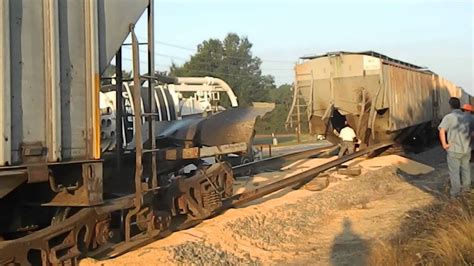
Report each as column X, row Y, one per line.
column 151, row 117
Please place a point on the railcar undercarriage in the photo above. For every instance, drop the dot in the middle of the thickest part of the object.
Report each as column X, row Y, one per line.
column 62, row 233
column 117, row 225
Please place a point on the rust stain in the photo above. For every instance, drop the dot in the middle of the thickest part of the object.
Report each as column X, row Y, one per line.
column 96, row 118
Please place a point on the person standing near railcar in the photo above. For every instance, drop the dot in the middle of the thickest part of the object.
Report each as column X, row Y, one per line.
column 457, row 125
column 468, row 109
column 348, row 139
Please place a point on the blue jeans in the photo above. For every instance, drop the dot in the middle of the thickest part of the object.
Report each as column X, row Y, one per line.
column 459, row 172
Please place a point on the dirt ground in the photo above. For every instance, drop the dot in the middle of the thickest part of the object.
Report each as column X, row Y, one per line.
column 334, row 226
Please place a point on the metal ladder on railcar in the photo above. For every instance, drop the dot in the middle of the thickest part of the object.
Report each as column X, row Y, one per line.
column 138, row 115
column 299, row 105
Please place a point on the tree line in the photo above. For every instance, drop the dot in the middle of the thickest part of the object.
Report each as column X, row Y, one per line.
column 232, row 60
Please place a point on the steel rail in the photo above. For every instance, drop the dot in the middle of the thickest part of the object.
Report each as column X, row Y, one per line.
column 279, row 161
column 243, row 198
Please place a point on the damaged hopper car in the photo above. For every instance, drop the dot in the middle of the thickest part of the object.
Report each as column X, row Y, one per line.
column 85, row 162
column 380, row 97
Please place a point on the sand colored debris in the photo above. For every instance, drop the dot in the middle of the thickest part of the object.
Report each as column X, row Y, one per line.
column 332, row 226
column 406, row 165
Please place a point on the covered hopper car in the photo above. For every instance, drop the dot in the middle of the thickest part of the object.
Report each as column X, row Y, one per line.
column 84, row 162
column 380, row 97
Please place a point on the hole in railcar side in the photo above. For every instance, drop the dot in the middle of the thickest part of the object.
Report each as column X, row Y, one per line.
column 34, row 257
column 338, row 120
column 382, row 111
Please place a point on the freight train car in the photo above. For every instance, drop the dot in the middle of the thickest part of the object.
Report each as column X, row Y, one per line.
column 78, row 171
column 380, row 97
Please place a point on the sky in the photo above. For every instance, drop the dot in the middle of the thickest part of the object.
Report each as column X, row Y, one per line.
column 434, row 34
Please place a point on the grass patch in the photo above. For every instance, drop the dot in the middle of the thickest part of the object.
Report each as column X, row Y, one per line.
column 442, row 234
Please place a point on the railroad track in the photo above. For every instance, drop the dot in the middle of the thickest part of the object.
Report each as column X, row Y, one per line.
column 277, row 162
column 87, row 218
column 246, row 197
column 243, row 198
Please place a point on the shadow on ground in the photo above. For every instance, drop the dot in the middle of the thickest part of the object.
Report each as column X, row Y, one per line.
column 349, row 248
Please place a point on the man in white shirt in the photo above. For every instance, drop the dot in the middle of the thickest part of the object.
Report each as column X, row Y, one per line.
column 348, row 139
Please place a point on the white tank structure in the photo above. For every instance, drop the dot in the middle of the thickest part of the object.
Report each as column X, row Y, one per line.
column 204, row 95
column 206, row 91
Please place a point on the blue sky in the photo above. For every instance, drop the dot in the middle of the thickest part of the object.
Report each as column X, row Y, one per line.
column 435, row 34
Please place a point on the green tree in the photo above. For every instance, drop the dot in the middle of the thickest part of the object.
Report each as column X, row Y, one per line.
column 275, row 120
column 232, row 61
column 282, row 95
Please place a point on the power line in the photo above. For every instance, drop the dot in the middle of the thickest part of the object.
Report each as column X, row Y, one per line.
column 172, row 56
column 164, row 55
column 198, row 71
column 143, row 62
column 229, row 56
column 187, row 59
column 177, row 46
column 207, row 63
column 223, row 55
